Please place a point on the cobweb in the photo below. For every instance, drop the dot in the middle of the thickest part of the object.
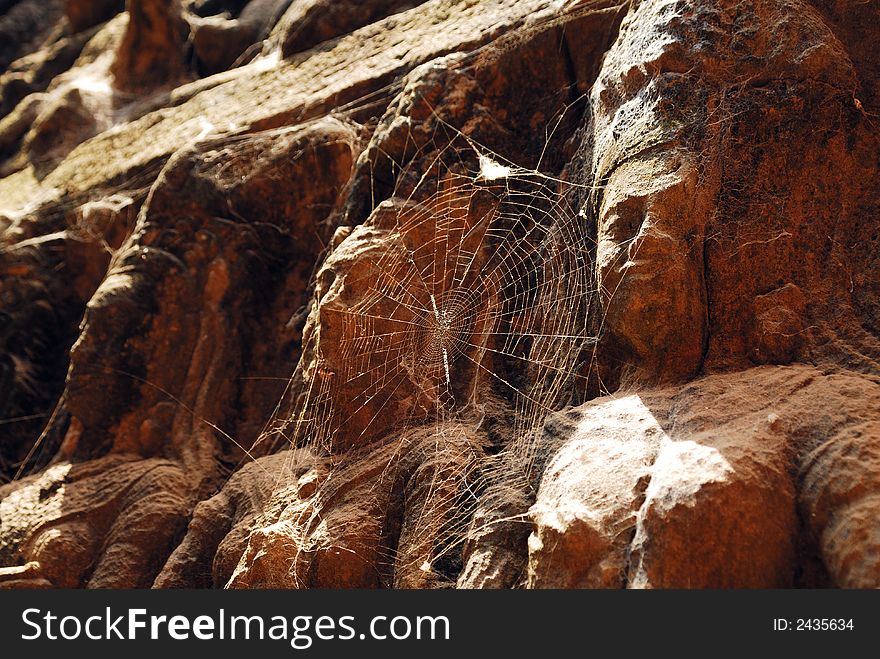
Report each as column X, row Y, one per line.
column 459, row 309
column 503, row 271
column 459, row 321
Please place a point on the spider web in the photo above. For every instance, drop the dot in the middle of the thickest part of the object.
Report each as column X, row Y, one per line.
column 459, row 322
column 462, row 302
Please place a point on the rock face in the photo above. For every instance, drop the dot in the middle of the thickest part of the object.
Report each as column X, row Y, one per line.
column 712, row 485
column 152, row 51
column 83, row 14
column 221, row 41
column 439, row 294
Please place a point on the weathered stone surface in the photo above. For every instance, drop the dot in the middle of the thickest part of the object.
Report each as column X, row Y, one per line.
column 83, row 14
column 33, row 73
column 63, row 121
column 222, row 41
column 77, row 103
column 839, row 498
column 264, row 96
column 492, row 554
column 220, row 527
column 704, row 486
column 151, row 54
column 229, row 244
column 590, row 494
column 683, row 150
column 50, row 266
column 336, row 528
column 445, row 293
column 27, row 25
column 102, row 524
column 307, row 23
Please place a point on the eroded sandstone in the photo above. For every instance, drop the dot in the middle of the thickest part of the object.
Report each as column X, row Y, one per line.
column 435, row 294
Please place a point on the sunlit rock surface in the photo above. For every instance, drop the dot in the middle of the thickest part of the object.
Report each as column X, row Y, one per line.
column 455, row 293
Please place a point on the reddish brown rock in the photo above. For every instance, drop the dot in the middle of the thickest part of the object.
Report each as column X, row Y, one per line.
column 233, row 231
column 221, row 42
column 151, row 54
column 51, row 264
column 678, row 178
column 34, row 72
column 704, row 486
column 338, row 528
column 493, row 553
column 308, row 23
column 585, row 511
column 83, row 14
column 839, row 497
column 719, row 510
column 77, row 103
column 779, row 324
column 220, row 528
column 52, row 525
column 423, row 294
column 62, row 123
